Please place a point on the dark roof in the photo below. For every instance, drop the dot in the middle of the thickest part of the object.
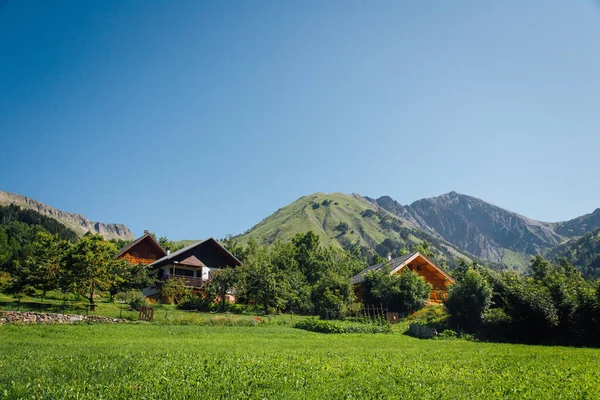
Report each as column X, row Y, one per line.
column 175, row 254
column 139, row 240
column 192, row 261
column 393, row 264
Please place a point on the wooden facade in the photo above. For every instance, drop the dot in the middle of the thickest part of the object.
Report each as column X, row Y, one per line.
column 194, row 265
column 418, row 263
column 144, row 250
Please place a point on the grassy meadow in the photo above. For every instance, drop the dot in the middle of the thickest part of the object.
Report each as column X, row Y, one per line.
column 153, row 360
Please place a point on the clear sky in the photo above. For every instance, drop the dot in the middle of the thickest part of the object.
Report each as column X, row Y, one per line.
column 200, row 118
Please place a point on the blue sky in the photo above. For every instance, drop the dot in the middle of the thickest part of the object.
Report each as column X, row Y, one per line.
column 198, row 118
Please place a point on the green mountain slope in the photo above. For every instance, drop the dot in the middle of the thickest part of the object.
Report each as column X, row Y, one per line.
column 349, row 221
column 582, row 252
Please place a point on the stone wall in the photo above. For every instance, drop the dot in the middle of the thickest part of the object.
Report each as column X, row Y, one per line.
column 18, row 317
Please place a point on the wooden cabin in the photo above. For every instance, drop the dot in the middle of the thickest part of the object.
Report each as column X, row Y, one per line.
column 193, row 264
column 417, row 262
column 143, row 250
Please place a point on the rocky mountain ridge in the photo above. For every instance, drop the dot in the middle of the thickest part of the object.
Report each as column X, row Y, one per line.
column 485, row 230
column 77, row 222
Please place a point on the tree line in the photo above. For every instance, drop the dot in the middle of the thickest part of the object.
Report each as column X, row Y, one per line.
column 45, row 262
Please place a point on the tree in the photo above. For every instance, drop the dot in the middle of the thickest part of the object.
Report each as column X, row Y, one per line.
column 125, row 276
column 263, row 283
column 90, row 263
column 540, row 268
column 468, row 301
column 174, row 290
column 46, row 263
column 424, row 248
column 223, row 283
column 342, row 228
column 403, row 292
column 332, row 295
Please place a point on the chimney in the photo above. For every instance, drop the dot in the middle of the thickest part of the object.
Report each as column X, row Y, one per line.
column 146, row 232
column 389, row 256
column 168, row 251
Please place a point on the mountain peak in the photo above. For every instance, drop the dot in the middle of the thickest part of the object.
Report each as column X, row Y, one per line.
column 76, row 222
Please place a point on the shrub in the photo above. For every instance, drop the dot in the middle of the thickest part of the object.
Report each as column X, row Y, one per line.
column 331, row 296
column 136, row 300
column 321, row 326
column 174, row 290
column 432, row 316
column 468, row 301
column 197, row 302
column 402, row 292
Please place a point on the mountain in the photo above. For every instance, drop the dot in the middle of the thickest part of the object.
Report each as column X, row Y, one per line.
column 76, row 222
column 481, row 228
column 579, row 226
column 583, row 252
column 350, row 221
column 456, row 225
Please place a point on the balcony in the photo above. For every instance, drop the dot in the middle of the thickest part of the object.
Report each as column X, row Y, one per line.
column 189, row 281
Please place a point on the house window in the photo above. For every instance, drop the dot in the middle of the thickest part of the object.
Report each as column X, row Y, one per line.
column 183, row 272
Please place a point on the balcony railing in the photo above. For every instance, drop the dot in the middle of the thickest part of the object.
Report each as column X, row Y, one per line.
column 190, row 281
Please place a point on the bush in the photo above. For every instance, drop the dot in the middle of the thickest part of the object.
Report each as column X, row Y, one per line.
column 403, row 292
column 331, row 296
column 468, row 301
column 136, row 300
column 432, row 316
column 321, row 326
column 174, row 290
column 196, row 302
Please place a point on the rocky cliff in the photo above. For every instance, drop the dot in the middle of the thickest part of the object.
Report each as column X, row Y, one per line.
column 76, row 222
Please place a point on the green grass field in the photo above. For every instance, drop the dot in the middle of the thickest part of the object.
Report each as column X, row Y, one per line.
column 143, row 360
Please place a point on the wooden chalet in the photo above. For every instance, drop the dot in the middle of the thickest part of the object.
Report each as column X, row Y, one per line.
column 417, row 262
column 143, row 250
column 193, row 264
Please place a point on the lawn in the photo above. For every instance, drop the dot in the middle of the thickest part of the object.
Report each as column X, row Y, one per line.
column 144, row 360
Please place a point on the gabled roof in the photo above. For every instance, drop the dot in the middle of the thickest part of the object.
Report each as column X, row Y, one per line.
column 166, row 259
column 139, row 240
column 397, row 264
column 192, row 261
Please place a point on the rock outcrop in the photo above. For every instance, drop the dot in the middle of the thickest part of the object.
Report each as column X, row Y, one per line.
column 76, row 222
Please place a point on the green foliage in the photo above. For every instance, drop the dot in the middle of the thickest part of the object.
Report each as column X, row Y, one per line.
column 222, row 283
column 403, row 292
column 332, row 295
column 174, row 290
column 342, row 227
column 583, row 252
column 262, row 282
column 46, row 264
column 468, row 301
column 198, row 302
column 90, row 263
column 14, row 214
column 368, row 213
column 321, row 326
column 136, row 300
column 424, row 248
